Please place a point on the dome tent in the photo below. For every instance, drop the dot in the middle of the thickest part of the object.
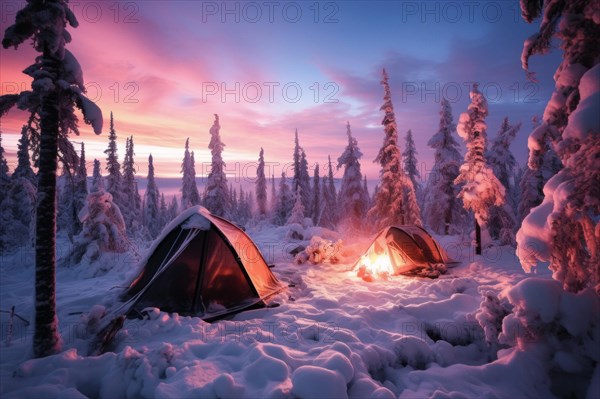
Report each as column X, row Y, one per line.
column 402, row 250
column 202, row 265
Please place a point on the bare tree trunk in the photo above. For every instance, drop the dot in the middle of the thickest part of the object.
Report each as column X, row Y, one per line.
column 477, row 238
column 46, row 339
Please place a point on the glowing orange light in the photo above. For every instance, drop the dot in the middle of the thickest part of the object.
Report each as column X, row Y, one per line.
column 373, row 266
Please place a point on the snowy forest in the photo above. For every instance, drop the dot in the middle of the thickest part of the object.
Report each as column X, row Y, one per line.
column 477, row 277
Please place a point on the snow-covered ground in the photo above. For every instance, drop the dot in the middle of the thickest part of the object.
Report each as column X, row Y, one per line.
column 333, row 335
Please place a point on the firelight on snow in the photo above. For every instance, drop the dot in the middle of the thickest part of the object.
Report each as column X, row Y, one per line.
column 374, row 265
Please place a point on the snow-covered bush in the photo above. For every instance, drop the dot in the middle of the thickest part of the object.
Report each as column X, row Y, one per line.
column 103, row 229
column 320, row 250
column 491, row 312
column 562, row 328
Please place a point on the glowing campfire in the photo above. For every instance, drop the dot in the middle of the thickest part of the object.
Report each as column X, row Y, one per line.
column 374, row 265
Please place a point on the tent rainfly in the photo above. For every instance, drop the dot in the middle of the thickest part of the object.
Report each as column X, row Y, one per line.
column 202, row 265
column 398, row 250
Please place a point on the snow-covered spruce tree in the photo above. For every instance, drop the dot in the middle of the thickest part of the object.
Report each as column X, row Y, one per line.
column 285, row 202
column 17, row 214
column 163, row 211
column 151, row 209
column 442, row 210
column 296, row 181
column 217, row 196
column 411, row 165
column 23, row 169
column 316, row 199
column 195, row 194
column 233, row 202
column 297, row 213
column 366, row 196
column 481, row 189
column 103, row 229
column 261, row 186
column 535, row 176
column 244, row 210
column 501, row 224
column 410, row 204
column 301, row 177
column 499, row 156
column 329, row 214
column 114, row 179
column 173, row 208
column 273, row 203
column 305, row 184
column 133, row 211
column 20, row 199
column 388, row 208
column 351, row 206
column 565, row 228
column 97, row 179
column 189, row 189
column 57, row 88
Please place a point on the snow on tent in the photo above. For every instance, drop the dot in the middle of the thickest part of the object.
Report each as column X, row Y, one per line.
column 408, row 250
column 202, row 265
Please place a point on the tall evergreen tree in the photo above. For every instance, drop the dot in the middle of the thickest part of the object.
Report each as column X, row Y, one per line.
column 301, row 177
column 285, row 202
column 296, row 181
column 329, row 215
column 261, row 185
column 151, row 210
column 23, row 169
column 97, row 179
column 316, row 200
column 411, row 166
column 367, row 197
column 243, row 211
column 502, row 218
column 163, row 211
column 305, row 188
column 501, row 159
column 189, row 189
column 565, row 228
column 131, row 212
column 442, row 209
column 481, row 189
column 114, row 179
column 273, row 203
column 173, row 208
column 216, row 200
column 195, row 195
column 410, row 204
column 351, row 206
column 389, row 208
column 57, row 88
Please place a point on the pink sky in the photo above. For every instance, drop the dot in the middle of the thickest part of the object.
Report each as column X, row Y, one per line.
column 153, row 71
